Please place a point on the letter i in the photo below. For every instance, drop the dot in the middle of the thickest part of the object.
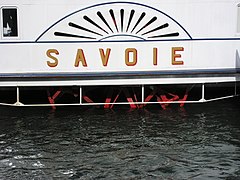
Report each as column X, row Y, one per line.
column 155, row 56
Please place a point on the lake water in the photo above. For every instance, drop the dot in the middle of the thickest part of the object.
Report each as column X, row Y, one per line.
column 200, row 141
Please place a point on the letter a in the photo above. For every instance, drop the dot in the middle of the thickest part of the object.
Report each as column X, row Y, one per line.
column 80, row 58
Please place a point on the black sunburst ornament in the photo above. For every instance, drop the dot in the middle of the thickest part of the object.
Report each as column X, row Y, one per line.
column 109, row 22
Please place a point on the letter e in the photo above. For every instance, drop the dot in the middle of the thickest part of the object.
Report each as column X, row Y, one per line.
column 175, row 56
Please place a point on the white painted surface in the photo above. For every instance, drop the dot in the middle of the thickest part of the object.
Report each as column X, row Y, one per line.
column 213, row 46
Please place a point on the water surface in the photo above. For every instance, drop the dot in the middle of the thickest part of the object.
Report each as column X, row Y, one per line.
column 200, row 141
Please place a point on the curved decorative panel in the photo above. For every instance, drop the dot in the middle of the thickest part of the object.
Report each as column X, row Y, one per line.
column 115, row 21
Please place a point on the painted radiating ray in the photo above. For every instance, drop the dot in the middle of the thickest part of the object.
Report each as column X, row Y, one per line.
column 93, row 23
column 147, row 24
column 71, row 24
column 139, row 20
column 104, row 20
column 122, row 18
column 165, row 35
column 130, row 19
column 63, row 34
column 156, row 29
column 113, row 18
column 116, row 23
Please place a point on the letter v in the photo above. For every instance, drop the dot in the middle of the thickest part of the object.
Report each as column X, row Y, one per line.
column 105, row 57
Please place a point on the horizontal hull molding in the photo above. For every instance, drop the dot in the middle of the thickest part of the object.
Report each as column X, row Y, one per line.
column 124, row 74
column 51, row 82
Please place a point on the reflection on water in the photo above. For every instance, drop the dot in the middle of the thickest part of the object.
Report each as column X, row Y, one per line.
column 198, row 142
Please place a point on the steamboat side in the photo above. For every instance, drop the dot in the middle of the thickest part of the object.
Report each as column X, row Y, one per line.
column 58, row 53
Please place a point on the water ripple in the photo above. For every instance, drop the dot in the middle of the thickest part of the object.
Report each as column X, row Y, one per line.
column 198, row 142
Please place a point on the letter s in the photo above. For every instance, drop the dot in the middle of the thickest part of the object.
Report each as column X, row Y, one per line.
column 55, row 60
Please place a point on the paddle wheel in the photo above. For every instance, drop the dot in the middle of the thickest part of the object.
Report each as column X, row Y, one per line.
column 136, row 97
